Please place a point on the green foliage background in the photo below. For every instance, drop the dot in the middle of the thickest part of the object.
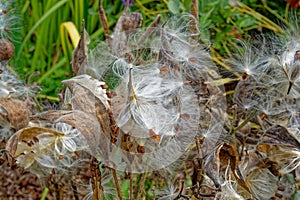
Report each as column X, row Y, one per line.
column 40, row 59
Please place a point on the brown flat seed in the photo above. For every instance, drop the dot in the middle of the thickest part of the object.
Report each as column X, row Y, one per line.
column 280, row 188
column 278, row 195
column 140, row 149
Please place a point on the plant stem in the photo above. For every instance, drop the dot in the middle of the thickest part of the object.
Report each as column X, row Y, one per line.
column 245, row 121
column 116, row 183
column 96, row 179
column 44, row 194
column 74, row 188
column 131, row 187
column 139, row 195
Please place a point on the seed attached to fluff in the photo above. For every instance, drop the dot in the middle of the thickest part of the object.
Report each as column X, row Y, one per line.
column 154, row 136
column 6, row 50
column 140, row 149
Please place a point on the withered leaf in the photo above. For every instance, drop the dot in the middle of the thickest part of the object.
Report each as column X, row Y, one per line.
column 14, row 112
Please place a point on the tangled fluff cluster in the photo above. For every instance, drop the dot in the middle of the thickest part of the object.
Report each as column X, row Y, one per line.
column 164, row 82
column 152, row 102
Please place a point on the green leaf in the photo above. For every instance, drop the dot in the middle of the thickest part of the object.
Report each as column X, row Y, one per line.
column 45, row 16
column 174, row 6
column 125, row 188
column 247, row 22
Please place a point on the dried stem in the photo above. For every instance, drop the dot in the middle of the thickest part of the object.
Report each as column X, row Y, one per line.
column 116, row 182
column 194, row 12
column 150, row 29
column 245, row 121
column 57, row 191
column 103, row 20
column 139, row 195
column 180, row 192
column 74, row 188
column 96, row 179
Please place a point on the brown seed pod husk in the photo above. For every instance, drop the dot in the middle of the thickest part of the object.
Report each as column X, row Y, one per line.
column 16, row 112
column 6, row 50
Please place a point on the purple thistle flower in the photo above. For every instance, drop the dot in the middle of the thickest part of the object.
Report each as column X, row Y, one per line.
column 130, row 2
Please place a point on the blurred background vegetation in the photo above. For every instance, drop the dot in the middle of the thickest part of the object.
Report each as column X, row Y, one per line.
column 44, row 45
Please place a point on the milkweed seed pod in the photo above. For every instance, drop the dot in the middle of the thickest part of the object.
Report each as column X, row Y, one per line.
column 40, row 150
column 14, row 115
column 6, row 50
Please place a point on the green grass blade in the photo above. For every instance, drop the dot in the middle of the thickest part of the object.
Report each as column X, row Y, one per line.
column 47, row 14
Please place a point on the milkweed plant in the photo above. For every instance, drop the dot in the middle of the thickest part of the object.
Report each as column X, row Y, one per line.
column 148, row 115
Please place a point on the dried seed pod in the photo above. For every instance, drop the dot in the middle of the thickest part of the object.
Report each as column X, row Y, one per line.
column 132, row 21
column 280, row 135
column 14, row 112
column 18, row 145
column 6, row 50
column 79, row 57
